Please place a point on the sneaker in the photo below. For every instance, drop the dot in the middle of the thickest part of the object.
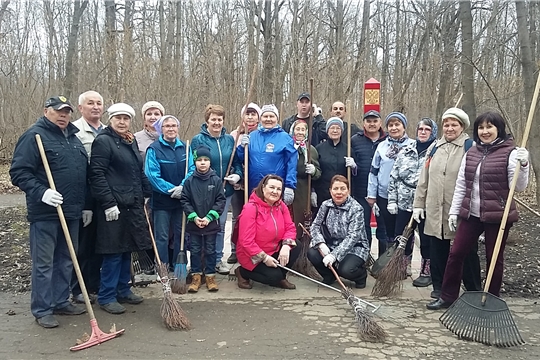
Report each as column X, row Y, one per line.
column 211, row 283
column 222, row 269
column 70, row 310
column 79, row 299
column 232, row 259
column 47, row 321
column 131, row 298
column 195, row 283
column 113, row 308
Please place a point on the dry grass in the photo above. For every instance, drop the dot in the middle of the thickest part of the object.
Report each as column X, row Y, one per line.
column 5, row 181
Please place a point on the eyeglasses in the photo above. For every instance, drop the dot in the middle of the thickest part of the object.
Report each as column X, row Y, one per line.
column 170, row 126
column 426, row 129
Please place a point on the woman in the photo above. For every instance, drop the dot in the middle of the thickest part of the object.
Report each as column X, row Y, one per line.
column 151, row 112
column 480, row 195
column 165, row 167
column 403, row 180
column 214, row 136
column 381, row 166
column 332, row 158
column 266, row 237
column 251, row 119
column 120, row 187
column 271, row 151
column 299, row 133
column 338, row 236
column 434, row 194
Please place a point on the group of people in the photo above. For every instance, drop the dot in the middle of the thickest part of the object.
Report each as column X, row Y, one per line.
column 108, row 179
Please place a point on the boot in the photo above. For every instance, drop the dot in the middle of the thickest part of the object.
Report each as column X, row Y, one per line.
column 211, row 283
column 285, row 284
column 195, row 283
column 409, row 268
column 425, row 275
column 242, row 282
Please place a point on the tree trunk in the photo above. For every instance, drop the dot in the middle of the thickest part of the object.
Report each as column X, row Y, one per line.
column 111, row 49
column 71, row 54
column 467, row 66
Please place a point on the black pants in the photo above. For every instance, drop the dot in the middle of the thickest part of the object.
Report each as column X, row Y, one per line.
column 351, row 267
column 440, row 249
column 89, row 261
column 237, row 204
column 389, row 219
column 381, row 230
column 269, row 275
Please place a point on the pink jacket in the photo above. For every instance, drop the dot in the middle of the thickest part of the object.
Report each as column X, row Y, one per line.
column 261, row 229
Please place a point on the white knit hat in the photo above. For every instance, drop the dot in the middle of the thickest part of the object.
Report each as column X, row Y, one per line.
column 459, row 115
column 121, row 108
column 153, row 104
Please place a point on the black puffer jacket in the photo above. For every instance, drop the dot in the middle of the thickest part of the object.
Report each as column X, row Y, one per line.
column 318, row 128
column 117, row 178
column 203, row 194
column 332, row 162
column 68, row 162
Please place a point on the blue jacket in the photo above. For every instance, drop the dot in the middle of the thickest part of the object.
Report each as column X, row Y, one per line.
column 221, row 149
column 270, row 152
column 165, row 168
column 362, row 150
column 68, row 161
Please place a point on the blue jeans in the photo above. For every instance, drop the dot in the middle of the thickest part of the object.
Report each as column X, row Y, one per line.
column 197, row 244
column 380, row 231
column 51, row 265
column 115, row 277
column 163, row 221
column 220, row 237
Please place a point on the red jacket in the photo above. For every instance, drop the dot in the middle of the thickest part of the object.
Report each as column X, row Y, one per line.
column 261, row 229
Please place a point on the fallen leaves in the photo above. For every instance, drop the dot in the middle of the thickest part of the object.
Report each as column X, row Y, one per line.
column 83, row 339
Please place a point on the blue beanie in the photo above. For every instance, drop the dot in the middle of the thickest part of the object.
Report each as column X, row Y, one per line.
column 334, row 121
column 398, row 116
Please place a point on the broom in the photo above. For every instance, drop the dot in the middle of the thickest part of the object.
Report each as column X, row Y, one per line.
column 172, row 314
column 480, row 316
column 389, row 280
column 178, row 284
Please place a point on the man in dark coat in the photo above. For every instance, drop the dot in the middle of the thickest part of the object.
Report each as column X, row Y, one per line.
column 51, row 261
column 339, row 110
column 303, row 105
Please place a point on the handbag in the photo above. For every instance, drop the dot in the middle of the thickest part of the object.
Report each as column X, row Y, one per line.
column 324, row 230
column 383, row 260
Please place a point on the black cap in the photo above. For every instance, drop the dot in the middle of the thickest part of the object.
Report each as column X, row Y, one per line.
column 201, row 151
column 58, row 103
column 372, row 113
column 304, row 95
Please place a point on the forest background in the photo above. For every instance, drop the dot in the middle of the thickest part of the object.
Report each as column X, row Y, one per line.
column 187, row 54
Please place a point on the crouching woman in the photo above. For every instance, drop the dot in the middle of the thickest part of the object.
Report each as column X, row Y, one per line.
column 339, row 236
column 266, row 237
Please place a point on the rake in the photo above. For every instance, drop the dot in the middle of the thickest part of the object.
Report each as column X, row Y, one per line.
column 140, row 265
column 480, row 316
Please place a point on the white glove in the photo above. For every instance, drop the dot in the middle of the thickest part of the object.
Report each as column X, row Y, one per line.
column 245, row 140
column 418, row 214
column 270, row 261
column 522, row 155
column 176, row 192
column 310, row 169
column 452, row 223
column 87, row 217
column 329, row 260
column 112, row 213
column 313, row 199
column 232, row 179
column 392, row 208
column 284, row 254
column 52, row 197
column 324, row 249
column 316, row 110
column 376, row 210
column 288, row 196
column 349, row 162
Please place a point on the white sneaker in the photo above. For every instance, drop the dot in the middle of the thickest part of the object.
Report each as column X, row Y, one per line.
column 222, row 268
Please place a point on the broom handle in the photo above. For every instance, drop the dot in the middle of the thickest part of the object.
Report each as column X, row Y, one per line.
column 65, row 228
column 502, row 228
column 281, row 112
column 308, row 147
column 458, row 100
column 158, row 260
column 183, row 233
column 331, row 267
column 348, row 119
column 246, row 171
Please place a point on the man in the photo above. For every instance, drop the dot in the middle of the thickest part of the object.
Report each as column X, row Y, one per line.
column 303, row 106
column 363, row 146
column 89, row 125
column 51, row 262
column 339, row 110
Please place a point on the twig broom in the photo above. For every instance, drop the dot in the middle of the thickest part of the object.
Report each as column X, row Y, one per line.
column 172, row 314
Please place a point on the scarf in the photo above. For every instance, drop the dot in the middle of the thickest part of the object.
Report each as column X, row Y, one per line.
column 395, row 146
column 422, row 146
column 300, row 145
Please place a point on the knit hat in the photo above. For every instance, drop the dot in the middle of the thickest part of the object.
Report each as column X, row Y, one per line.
column 201, row 151
column 153, row 104
column 459, row 115
column 398, row 116
column 251, row 106
column 270, row 108
column 119, row 109
column 159, row 123
column 432, row 124
column 334, row 121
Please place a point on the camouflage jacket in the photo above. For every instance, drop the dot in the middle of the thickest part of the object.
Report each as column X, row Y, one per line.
column 345, row 225
column 404, row 177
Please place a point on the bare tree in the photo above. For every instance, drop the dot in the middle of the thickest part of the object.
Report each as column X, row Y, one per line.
column 71, row 54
